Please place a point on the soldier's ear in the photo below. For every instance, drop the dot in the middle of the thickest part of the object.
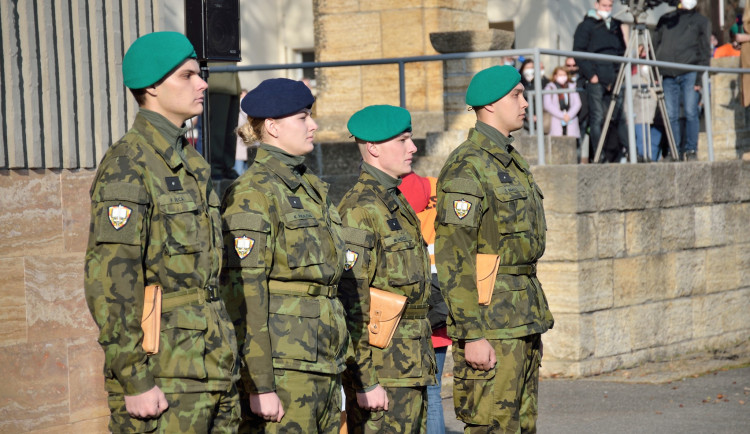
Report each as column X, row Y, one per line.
column 271, row 127
column 372, row 149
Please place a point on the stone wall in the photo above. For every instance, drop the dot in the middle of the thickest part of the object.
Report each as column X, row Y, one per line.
column 52, row 363
column 357, row 29
column 644, row 262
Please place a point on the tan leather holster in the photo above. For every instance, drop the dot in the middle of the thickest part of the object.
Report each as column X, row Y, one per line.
column 386, row 309
column 151, row 319
column 486, row 275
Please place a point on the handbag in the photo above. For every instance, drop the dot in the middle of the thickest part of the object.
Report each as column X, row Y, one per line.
column 486, row 275
column 151, row 319
column 386, row 309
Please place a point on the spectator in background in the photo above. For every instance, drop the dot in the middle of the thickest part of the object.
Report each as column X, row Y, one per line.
column 601, row 34
column 421, row 194
column 527, row 80
column 683, row 36
column 563, row 107
column 731, row 48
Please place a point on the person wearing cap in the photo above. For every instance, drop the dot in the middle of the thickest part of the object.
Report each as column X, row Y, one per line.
column 155, row 220
column 488, row 203
column 285, row 256
column 386, row 388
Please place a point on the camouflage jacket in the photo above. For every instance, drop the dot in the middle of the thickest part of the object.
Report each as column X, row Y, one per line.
column 385, row 250
column 155, row 220
column 488, row 202
column 282, row 233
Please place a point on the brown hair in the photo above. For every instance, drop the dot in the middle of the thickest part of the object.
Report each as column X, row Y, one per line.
column 252, row 130
column 559, row 68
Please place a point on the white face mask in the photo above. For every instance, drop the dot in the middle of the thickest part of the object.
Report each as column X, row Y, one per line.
column 541, row 71
column 574, row 78
column 603, row 14
column 561, row 79
column 689, row 4
column 644, row 70
column 528, row 74
column 509, row 63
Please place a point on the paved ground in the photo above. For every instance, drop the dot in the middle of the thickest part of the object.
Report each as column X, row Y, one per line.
column 697, row 393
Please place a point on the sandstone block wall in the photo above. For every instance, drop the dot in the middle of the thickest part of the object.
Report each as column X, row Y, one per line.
column 644, row 262
column 357, row 29
column 52, row 363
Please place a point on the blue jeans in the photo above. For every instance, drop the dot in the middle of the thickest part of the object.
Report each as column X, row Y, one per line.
column 680, row 90
column 640, row 140
column 435, row 420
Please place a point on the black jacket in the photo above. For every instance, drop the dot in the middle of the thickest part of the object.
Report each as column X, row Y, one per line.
column 593, row 36
column 683, row 36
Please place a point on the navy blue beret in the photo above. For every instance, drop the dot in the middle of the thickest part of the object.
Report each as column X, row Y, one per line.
column 277, row 97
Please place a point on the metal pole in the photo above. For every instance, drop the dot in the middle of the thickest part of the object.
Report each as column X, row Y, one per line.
column 538, row 107
column 402, row 84
column 530, row 114
column 205, row 124
column 629, row 111
column 707, row 114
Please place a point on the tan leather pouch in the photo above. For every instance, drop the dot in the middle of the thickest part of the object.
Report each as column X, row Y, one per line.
column 151, row 320
column 386, row 309
column 486, row 275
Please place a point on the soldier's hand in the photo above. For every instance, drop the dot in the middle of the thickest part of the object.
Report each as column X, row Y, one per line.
column 267, row 405
column 480, row 355
column 374, row 400
column 149, row 404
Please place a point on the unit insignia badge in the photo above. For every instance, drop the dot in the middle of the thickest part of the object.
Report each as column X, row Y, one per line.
column 119, row 215
column 243, row 246
column 351, row 259
column 461, row 207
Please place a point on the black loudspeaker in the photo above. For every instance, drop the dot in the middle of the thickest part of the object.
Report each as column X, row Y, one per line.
column 213, row 27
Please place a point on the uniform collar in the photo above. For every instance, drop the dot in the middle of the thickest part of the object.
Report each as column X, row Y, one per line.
column 494, row 142
column 384, row 186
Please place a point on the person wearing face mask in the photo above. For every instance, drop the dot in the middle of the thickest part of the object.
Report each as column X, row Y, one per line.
column 683, row 36
column 601, row 34
column 527, row 80
column 563, row 107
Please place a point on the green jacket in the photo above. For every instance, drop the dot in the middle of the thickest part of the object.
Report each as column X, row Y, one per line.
column 284, row 260
column 488, row 202
column 385, row 250
column 155, row 220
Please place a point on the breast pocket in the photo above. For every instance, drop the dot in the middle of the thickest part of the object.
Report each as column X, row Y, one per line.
column 512, row 210
column 302, row 240
column 293, row 325
column 181, row 216
column 402, row 260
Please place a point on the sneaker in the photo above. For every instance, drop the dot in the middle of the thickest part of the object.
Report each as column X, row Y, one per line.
column 691, row 156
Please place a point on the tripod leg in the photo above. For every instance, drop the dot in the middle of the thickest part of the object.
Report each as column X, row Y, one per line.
column 655, row 81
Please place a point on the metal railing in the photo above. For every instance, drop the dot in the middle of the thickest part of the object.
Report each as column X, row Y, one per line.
column 536, row 92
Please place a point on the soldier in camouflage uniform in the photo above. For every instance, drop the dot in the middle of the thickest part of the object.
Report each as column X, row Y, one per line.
column 285, row 256
column 155, row 220
column 385, row 388
column 489, row 203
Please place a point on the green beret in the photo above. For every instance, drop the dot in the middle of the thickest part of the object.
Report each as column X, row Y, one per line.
column 377, row 123
column 153, row 56
column 491, row 84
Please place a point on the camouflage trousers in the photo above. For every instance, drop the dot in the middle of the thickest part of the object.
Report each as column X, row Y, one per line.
column 504, row 399
column 311, row 402
column 195, row 413
column 407, row 412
